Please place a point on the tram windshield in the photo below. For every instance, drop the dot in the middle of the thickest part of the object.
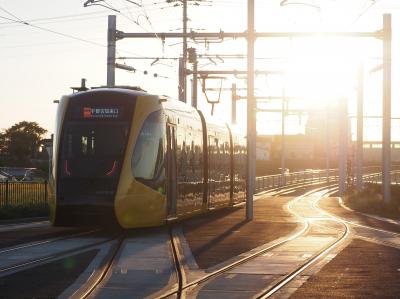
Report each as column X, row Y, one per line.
column 93, row 149
column 148, row 156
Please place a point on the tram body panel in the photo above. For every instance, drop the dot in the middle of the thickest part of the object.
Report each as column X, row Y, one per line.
column 51, row 187
column 219, row 164
column 189, row 157
column 239, row 157
column 138, row 205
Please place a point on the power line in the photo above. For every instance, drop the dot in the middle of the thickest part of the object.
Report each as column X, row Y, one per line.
column 372, row 3
column 14, row 16
column 53, row 31
column 101, row 13
column 22, row 22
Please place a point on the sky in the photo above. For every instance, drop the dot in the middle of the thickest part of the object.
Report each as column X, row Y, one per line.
column 47, row 46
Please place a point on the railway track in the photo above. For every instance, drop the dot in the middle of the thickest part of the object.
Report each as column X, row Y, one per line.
column 140, row 264
column 313, row 220
column 17, row 226
column 192, row 288
column 180, row 283
column 20, row 257
column 87, row 289
column 46, row 241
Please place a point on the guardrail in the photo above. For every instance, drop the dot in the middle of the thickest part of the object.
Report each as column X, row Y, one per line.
column 23, row 194
column 263, row 183
column 376, row 178
column 278, row 180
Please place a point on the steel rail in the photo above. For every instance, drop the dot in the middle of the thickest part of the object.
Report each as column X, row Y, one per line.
column 37, row 243
column 24, row 222
column 303, row 267
column 291, row 276
column 86, row 289
column 208, row 276
column 178, row 262
column 52, row 257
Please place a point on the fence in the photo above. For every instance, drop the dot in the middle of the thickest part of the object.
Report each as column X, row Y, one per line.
column 35, row 193
column 376, row 178
column 370, row 174
column 23, row 194
column 307, row 176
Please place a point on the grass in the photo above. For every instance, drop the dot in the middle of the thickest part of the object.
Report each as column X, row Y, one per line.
column 370, row 200
column 15, row 212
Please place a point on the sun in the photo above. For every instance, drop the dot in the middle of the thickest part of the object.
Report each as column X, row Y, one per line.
column 318, row 70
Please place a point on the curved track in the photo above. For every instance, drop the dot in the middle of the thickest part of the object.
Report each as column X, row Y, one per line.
column 191, row 288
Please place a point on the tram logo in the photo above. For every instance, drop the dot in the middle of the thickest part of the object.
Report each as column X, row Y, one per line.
column 90, row 112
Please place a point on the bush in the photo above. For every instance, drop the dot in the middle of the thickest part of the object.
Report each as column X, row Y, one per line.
column 370, row 200
column 14, row 212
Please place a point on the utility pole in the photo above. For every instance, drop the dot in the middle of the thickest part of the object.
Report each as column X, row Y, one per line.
column 343, row 137
column 184, row 50
column 283, row 136
column 182, row 79
column 233, row 107
column 111, row 37
column 251, row 112
column 327, row 145
column 386, row 109
column 193, row 60
column 360, row 127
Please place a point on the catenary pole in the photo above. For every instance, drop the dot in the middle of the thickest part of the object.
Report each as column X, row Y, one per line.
column 251, row 112
column 111, row 39
column 283, row 150
column 327, row 144
column 194, row 84
column 360, row 127
column 233, row 107
column 386, row 107
column 184, row 50
column 343, row 136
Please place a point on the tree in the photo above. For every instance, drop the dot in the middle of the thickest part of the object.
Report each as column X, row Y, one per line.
column 21, row 141
column 2, row 143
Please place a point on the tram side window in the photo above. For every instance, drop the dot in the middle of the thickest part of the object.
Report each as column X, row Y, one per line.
column 148, row 155
column 181, row 154
column 216, row 159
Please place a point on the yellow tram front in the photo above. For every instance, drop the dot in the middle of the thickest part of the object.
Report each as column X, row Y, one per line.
column 108, row 159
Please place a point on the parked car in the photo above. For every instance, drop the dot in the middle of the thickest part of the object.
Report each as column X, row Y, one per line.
column 4, row 176
column 34, row 175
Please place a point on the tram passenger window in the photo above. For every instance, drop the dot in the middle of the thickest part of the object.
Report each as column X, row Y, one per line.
column 148, row 155
column 192, row 158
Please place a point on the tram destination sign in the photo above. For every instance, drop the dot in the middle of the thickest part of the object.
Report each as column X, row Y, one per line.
column 101, row 113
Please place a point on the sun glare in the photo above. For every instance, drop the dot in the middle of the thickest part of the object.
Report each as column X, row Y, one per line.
column 320, row 69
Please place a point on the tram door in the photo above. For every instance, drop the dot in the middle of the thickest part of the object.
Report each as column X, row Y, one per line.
column 171, row 172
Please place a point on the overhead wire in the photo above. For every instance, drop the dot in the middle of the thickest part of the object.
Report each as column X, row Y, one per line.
column 53, row 31
column 363, row 12
column 130, row 18
column 23, row 22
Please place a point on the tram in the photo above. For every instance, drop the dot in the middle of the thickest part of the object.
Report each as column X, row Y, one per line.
column 141, row 159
